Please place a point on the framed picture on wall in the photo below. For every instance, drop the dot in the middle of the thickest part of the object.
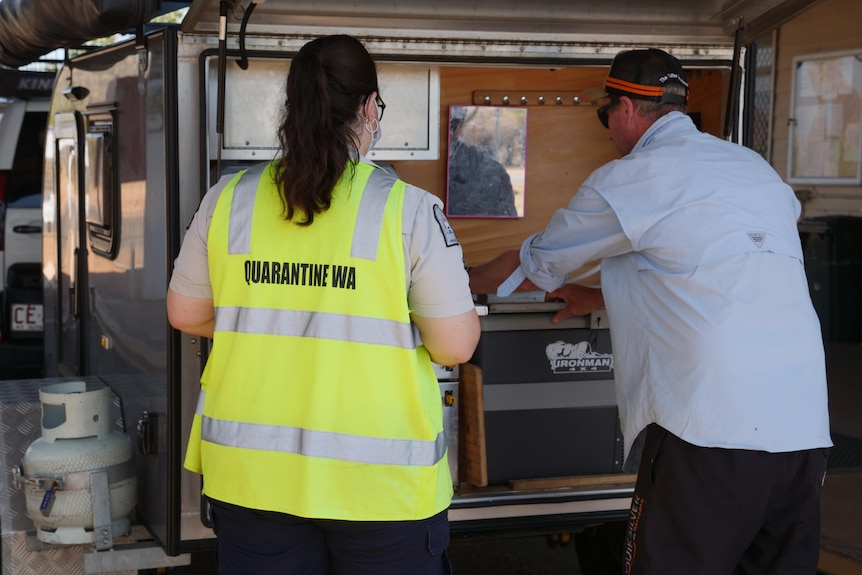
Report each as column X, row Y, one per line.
column 825, row 138
column 486, row 162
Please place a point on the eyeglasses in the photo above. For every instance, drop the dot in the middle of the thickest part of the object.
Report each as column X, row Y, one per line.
column 379, row 101
column 602, row 112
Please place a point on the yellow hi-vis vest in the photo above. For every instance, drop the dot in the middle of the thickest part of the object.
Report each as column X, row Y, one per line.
column 318, row 399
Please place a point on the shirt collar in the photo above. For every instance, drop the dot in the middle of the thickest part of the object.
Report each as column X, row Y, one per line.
column 668, row 122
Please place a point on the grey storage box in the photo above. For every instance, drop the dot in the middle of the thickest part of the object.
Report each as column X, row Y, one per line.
column 547, row 398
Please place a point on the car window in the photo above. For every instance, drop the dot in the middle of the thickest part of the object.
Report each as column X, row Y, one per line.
column 24, row 185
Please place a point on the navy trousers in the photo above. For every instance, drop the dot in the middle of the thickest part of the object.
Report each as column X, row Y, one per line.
column 252, row 542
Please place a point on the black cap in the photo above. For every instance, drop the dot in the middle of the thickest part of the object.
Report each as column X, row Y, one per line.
column 643, row 74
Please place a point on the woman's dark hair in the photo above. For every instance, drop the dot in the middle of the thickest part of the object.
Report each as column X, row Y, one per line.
column 329, row 79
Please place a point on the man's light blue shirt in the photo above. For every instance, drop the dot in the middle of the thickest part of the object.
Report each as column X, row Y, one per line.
column 714, row 334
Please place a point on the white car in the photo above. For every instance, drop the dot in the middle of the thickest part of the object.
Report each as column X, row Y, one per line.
column 23, row 120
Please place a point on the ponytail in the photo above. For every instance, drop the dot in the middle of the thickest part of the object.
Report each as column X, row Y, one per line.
column 328, row 82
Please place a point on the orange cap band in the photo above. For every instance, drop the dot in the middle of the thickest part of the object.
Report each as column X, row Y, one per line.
column 637, row 89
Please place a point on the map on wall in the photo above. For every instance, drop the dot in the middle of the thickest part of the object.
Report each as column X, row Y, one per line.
column 825, row 136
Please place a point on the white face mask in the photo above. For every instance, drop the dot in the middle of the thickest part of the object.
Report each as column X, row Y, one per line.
column 378, row 133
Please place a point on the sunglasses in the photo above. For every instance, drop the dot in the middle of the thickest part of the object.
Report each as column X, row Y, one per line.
column 602, row 112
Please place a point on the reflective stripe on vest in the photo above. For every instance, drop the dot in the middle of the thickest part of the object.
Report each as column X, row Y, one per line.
column 366, row 235
column 241, row 208
column 317, row 325
column 321, row 443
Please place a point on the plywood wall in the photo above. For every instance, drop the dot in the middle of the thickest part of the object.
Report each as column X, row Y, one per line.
column 564, row 144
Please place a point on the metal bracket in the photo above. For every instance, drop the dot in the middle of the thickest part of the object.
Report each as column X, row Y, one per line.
column 589, row 97
column 18, row 479
column 101, row 494
column 132, row 556
column 141, row 48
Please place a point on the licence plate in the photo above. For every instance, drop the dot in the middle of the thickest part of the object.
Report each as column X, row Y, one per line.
column 26, row 317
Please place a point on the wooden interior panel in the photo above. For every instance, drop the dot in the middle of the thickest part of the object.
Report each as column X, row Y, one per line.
column 564, row 144
column 472, row 459
column 581, row 481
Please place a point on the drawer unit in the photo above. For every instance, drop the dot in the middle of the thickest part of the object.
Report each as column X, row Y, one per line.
column 547, row 398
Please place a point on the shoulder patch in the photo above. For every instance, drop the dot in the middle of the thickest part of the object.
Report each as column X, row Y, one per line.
column 445, row 228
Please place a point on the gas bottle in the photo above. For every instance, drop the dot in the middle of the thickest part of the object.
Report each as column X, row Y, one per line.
column 79, row 476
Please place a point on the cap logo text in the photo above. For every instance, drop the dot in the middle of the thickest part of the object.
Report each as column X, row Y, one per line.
column 672, row 76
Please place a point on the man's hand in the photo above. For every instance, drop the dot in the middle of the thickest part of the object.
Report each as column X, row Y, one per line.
column 580, row 300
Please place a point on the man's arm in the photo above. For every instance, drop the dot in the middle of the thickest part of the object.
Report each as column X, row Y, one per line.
column 191, row 315
column 485, row 278
column 449, row 340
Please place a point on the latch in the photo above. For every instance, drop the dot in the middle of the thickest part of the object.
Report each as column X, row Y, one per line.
column 43, row 483
column 599, row 319
column 50, row 485
column 147, row 428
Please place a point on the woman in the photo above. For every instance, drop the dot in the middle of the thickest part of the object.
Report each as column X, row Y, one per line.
column 319, row 430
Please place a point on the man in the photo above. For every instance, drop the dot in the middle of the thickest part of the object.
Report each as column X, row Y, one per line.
column 720, row 375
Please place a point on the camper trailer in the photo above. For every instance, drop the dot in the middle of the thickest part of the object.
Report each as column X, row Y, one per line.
column 139, row 130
